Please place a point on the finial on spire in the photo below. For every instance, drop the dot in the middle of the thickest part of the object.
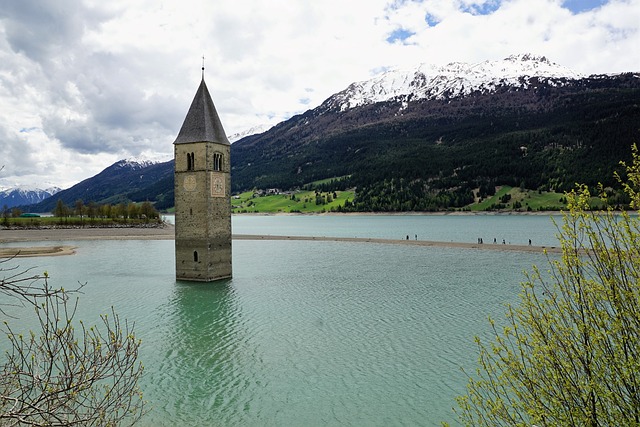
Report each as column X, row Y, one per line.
column 202, row 67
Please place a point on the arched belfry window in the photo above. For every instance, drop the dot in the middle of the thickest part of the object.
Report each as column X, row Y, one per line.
column 217, row 162
column 195, row 256
column 190, row 161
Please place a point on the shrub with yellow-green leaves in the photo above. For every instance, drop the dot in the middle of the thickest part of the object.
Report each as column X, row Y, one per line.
column 569, row 353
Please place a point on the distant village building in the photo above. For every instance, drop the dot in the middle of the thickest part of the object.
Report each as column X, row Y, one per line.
column 268, row 192
column 202, row 194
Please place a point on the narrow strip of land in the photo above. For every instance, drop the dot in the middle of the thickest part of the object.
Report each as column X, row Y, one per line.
column 168, row 233
column 498, row 247
column 17, row 252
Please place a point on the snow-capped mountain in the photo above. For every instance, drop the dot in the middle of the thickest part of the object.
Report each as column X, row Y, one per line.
column 133, row 179
column 453, row 80
column 19, row 196
column 417, row 123
column 248, row 132
column 137, row 162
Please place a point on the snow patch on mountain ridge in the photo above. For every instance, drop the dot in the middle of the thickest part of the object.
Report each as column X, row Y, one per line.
column 137, row 162
column 254, row 130
column 23, row 189
column 453, row 80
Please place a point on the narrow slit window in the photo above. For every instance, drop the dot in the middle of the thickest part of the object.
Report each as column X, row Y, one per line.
column 195, row 256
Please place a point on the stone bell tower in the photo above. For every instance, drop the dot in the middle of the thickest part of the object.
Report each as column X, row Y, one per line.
column 202, row 194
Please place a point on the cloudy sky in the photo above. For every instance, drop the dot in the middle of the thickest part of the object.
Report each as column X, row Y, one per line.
column 84, row 83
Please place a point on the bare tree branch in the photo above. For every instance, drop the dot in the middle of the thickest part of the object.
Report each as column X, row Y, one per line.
column 65, row 373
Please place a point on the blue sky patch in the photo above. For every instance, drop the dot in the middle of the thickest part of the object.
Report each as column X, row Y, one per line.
column 486, row 8
column 579, row 6
column 399, row 35
column 431, row 20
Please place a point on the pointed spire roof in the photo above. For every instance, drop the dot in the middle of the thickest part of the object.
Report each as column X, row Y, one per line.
column 202, row 123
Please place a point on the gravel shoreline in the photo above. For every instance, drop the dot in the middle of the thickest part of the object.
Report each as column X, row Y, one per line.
column 168, row 232
column 165, row 232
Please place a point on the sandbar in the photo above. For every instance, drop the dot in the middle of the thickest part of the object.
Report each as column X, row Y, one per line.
column 498, row 247
column 17, row 252
column 168, row 233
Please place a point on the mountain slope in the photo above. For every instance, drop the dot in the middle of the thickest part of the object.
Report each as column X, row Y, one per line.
column 113, row 184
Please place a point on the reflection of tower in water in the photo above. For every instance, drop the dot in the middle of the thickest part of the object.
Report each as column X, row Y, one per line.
column 204, row 351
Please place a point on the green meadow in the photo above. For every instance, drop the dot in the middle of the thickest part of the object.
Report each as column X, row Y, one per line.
column 291, row 202
column 516, row 199
column 506, row 199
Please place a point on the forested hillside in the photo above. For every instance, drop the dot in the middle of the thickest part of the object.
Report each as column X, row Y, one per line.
column 433, row 154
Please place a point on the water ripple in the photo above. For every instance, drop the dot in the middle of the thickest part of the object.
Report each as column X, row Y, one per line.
column 306, row 333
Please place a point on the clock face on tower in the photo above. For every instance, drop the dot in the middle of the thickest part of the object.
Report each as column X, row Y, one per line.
column 217, row 184
column 189, row 183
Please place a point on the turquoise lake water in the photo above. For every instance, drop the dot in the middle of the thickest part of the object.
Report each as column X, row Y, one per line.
column 310, row 333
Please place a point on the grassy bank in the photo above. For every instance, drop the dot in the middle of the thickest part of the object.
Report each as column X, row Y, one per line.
column 295, row 202
column 516, row 199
